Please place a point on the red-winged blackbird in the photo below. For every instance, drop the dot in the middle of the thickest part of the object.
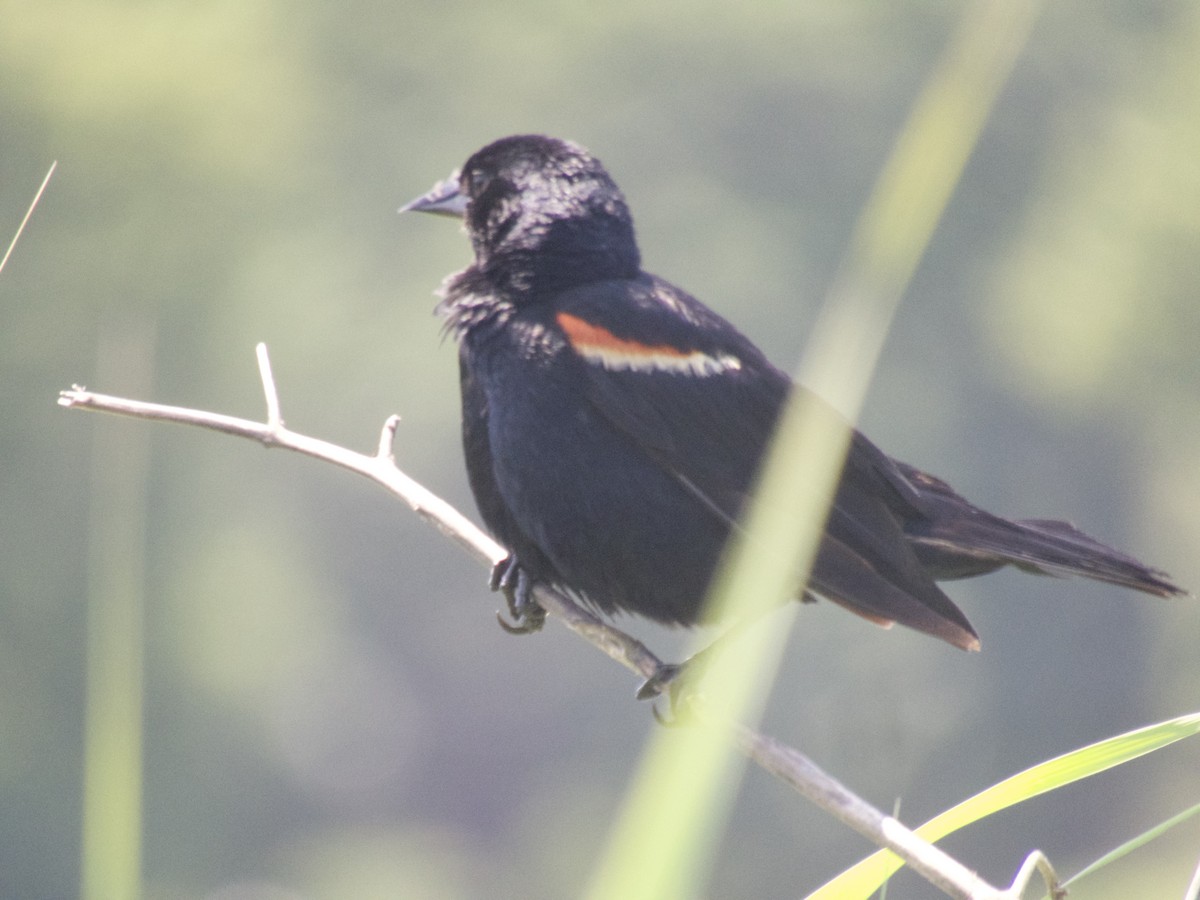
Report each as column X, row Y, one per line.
column 613, row 424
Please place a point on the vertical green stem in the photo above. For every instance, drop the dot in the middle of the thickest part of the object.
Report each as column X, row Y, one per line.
column 112, row 766
column 662, row 844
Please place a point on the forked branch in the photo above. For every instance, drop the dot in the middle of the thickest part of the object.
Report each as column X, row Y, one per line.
column 785, row 763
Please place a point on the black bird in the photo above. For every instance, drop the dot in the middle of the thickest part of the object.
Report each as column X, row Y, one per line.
column 613, row 424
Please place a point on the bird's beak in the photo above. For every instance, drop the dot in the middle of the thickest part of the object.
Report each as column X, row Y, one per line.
column 443, row 199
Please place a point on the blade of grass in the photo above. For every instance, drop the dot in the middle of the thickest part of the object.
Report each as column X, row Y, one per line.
column 866, row 876
column 1133, row 844
column 28, row 213
column 661, row 846
column 112, row 766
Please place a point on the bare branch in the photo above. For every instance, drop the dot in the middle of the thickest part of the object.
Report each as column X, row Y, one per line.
column 1036, row 863
column 793, row 768
column 938, row 868
column 785, row 763
column 381, row 469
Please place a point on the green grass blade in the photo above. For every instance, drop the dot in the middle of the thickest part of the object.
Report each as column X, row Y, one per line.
column 111, row 840
column 1133, row 844
column 866, row 876
column 661, row 845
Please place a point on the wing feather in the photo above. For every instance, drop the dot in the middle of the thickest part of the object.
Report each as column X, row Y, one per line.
column 707, row 422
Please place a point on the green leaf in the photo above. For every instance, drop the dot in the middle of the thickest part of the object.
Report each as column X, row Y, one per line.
column 662, row 845
column 1133, row 844
column 866, row 876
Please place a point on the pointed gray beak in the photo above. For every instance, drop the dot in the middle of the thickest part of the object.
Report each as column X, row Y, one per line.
column 443, row 199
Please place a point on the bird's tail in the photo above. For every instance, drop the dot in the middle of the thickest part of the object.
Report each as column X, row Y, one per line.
column 958, row 540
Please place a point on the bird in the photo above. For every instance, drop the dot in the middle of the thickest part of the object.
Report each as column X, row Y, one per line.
column 612, row 425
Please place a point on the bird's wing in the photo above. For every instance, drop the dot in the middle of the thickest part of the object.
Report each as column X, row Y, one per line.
column 481, row 475
column 701, row 400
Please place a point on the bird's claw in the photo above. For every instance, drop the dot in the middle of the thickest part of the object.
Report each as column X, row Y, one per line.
column 509, row 578
column 676, row 681
column 662, row 680
column 503, row 574
column 529, row 622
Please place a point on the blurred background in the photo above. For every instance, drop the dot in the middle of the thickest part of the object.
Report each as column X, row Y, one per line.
column 330, row 710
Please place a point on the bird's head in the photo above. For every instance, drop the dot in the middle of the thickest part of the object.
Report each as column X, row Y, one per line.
column 542, row 214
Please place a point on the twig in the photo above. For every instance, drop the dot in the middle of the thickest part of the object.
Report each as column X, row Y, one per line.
column 29, row 212
column 935, row 866
column 274, row 416
column 785, row 763
column 380, row 468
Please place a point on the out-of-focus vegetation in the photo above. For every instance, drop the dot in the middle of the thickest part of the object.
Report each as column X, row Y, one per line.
column 329, row 709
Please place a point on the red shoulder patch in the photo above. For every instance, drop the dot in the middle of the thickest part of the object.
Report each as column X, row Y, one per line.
column 598, row 345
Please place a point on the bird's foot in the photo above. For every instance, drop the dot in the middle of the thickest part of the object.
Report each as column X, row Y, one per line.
column 680, row 682
column 675, row 681
column 663, row 679
column 509, row 578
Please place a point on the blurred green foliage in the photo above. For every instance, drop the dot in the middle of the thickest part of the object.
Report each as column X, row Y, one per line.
column 330, row 710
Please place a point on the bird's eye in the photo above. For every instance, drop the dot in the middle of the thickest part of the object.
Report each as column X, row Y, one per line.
column 477, row 182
